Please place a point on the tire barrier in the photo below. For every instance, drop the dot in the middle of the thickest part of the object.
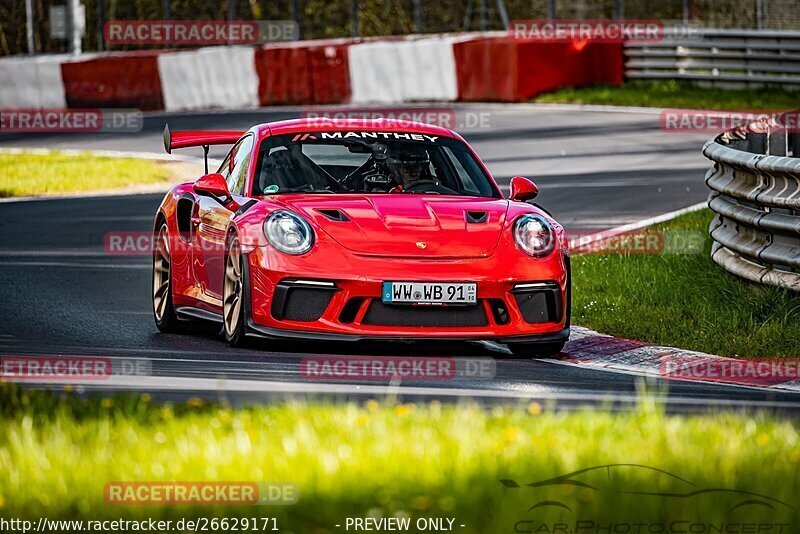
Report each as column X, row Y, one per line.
column 443, row 68
column 755, row 194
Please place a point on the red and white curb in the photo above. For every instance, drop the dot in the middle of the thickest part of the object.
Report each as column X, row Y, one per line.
column 590, row 349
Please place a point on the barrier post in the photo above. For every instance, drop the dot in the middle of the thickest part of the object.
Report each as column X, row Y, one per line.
column 101, row 20
column 353, row 18
column 619, row 9
column 29, row 26
column 73, row 28
column 777, row 144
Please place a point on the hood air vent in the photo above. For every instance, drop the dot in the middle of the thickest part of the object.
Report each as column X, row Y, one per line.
column 334, row 215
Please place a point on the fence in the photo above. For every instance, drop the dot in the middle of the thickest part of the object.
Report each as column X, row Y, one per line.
column 727, row 58
column 319, row 19
column 755, row 193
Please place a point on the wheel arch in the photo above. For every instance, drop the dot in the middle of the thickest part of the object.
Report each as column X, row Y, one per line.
column 233, row 229
column 160, row 219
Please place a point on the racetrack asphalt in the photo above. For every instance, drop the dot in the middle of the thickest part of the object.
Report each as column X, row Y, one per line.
column 63, row 295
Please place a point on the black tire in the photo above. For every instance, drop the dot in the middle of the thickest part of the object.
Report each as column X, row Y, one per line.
column 163, row 310
column 233, row 293
column 536, row 350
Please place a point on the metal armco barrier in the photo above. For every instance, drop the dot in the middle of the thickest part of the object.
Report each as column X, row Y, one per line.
column 727, row 58
column 755, row 193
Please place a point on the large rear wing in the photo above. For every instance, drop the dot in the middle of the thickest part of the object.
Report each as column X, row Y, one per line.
column 203, row 138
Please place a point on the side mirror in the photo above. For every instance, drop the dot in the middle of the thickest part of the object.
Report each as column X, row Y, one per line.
column 212, row 185
column 523, row 189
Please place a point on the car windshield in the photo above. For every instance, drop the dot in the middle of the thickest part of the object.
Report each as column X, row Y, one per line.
column 369, row 162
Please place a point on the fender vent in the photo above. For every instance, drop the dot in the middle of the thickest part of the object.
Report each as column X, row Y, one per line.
column 476, row 217
column 183, row 214
column 334, row 215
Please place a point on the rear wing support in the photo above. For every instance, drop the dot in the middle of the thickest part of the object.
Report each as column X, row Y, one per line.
column 203, row 138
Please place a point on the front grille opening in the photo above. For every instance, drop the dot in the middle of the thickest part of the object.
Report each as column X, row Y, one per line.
column 499, row 311
column 380, row 314
column 300, row 303
column 540, row 306
column 350, row 310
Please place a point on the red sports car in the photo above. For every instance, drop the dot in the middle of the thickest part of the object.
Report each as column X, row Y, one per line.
column 358, row 229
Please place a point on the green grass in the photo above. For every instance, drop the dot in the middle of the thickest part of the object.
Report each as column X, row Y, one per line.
column 684, row 300
column 54, row 173
column 674, row 94
column 57, row 454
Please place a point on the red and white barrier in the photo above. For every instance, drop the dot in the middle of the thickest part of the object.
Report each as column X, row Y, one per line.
column 213, row 77
column 469, row 67
column 32, row 82
column 311, row 72
column 120, row 80
column 403, row 71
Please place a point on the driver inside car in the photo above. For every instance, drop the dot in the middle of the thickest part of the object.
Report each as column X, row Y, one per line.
column 409, row 167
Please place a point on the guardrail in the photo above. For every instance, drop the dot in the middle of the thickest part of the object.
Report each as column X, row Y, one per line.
column 726, row 58
column 755, row 193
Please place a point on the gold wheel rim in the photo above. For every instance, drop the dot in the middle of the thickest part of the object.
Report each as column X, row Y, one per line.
column 232, row 288
column 161, row 268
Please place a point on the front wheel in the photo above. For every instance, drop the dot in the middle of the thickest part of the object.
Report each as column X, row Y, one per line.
column 233, row 294
column 536, row 350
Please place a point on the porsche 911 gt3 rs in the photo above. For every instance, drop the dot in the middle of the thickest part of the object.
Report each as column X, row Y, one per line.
column 358, row 229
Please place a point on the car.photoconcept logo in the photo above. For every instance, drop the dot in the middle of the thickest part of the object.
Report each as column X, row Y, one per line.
column 611, row 479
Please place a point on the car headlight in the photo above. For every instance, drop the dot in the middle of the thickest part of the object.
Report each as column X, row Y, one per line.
column 288, row 232
column 534, row 235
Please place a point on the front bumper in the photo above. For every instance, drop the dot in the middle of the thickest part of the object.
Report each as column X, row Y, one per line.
column 520, row 299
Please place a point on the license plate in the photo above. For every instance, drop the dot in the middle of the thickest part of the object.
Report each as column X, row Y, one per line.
column 434, row 293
